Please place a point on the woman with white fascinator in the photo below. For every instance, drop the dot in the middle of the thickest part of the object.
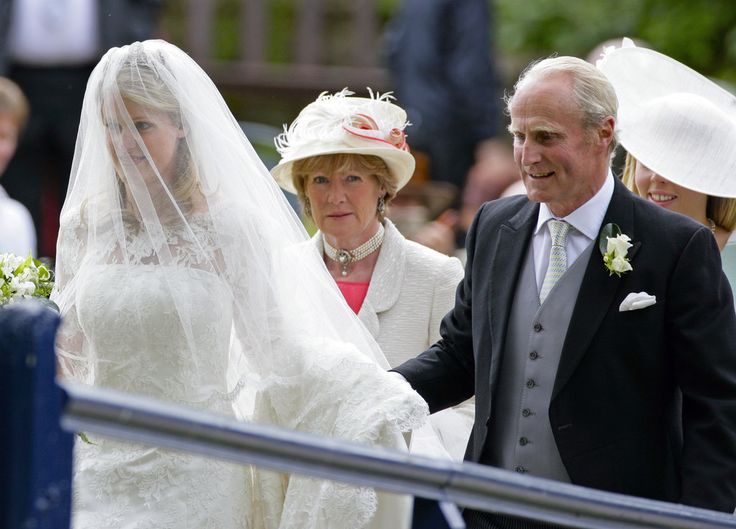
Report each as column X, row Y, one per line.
column 346, row 157
column 679, row 131
column 181, row 276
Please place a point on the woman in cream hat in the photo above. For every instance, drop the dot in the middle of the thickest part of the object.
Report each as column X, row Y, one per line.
column 346, row 157
column 679, row 131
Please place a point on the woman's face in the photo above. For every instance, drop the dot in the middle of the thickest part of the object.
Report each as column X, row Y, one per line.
column 160, row 137
column 664, row 193
column 344, row 204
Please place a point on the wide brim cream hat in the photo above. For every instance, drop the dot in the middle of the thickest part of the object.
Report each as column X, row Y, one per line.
column 672, row 119
column 339, row 123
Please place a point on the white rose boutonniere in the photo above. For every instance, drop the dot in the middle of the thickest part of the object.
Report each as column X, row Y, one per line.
column 614, row 246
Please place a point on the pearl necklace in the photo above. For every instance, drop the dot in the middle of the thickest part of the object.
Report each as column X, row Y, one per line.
column 345, row 257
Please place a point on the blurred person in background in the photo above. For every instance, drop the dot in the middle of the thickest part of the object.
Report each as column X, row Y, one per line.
column 487, row 180
column 679, row 130
column 49, row 48
column 440, row 58
column 17, row 234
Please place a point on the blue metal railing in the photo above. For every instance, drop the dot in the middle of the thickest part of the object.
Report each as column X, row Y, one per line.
column 142, row 420
column 35, row 454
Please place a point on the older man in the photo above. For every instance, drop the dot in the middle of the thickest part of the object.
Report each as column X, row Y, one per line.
column 573, row 380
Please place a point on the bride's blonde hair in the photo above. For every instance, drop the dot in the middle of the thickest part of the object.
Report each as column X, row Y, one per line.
column 139, row 83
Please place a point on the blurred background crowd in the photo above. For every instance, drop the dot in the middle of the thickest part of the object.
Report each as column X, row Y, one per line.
column 448, row 62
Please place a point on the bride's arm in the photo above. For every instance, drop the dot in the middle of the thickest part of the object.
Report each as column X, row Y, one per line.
column 70, row 340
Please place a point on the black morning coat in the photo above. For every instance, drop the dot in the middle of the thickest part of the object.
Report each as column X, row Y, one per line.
column 615, row 409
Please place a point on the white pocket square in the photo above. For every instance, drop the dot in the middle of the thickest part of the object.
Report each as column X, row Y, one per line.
column 636, row 301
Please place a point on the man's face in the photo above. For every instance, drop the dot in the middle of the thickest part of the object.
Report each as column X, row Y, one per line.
column 561, row 162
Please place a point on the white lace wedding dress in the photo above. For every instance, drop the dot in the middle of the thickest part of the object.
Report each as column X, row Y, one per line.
column 135, row 342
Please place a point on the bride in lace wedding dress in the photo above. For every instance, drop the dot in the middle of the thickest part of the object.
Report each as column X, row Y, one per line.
column 183, row 275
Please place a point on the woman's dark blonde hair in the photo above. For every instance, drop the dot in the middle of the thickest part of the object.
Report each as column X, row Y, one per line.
column 721, row 210
column 13, row 102
column 330, row 163
column 139, row 83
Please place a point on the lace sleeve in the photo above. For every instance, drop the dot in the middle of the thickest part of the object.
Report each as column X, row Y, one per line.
column 317, row 373
column 71, row 353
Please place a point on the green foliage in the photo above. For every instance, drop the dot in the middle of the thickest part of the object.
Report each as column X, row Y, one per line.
column 699, row 33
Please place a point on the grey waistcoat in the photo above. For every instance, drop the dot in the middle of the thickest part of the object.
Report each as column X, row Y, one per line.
column 520, row 436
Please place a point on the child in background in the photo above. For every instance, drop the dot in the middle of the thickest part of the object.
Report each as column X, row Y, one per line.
column 17, row 234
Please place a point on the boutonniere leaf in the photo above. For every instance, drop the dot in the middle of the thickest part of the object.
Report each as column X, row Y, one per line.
column 614, row 247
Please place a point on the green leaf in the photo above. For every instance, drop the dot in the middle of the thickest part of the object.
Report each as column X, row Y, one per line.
column 43, row 272
column 609, row 230
column 83, row 437
column 22, row 266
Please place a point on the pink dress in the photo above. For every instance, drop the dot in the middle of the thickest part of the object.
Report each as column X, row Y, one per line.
column 354, row 293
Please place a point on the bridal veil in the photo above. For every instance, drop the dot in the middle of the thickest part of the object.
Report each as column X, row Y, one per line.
column 183, row 274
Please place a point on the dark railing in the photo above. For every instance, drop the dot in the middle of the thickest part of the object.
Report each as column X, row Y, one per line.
column 35, row 453
column 35, row 460
column 330, row 44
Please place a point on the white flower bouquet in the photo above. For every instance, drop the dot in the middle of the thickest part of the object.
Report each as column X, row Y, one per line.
column 24, row 277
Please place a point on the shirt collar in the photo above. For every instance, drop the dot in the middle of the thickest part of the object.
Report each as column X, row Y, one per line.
column 587, row 219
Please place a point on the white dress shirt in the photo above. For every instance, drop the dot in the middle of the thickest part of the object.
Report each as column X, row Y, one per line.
column 585, row 224
column 17, row 234
column 54, row 32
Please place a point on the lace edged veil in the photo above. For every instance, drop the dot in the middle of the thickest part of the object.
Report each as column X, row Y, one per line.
column 166, row 193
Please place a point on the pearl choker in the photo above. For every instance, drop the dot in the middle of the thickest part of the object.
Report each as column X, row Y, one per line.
column 345, row 257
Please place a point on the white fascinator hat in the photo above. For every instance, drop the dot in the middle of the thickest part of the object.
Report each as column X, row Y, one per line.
column 677, row 122
column 339, row 123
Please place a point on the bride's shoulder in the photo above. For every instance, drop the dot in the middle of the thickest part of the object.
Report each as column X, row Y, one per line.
column 229, row 215
column 73, row 220
column 93, row 212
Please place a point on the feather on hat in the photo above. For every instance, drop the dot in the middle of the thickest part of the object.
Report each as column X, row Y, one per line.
column 339, row 123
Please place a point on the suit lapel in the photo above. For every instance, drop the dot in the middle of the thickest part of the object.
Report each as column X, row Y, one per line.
column 388, row 275
column 511, row 245
column 597, row 290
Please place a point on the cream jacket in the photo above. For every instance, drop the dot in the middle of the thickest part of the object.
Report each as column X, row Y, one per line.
column 411, row 290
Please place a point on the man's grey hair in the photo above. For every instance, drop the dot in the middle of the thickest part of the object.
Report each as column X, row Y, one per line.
column 592, row 91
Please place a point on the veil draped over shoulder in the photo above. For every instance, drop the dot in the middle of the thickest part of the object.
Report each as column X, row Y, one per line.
column 183, row 274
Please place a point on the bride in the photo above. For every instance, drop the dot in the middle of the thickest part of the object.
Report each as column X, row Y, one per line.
column 182, row 275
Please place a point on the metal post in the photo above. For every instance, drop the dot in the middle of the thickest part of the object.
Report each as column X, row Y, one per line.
column 35, row 454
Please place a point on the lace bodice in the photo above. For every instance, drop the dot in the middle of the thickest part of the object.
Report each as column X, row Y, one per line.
column 166, row 331
column 140, row 345
column 160, row 331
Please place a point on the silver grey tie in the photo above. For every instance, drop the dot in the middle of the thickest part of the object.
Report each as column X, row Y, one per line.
column 557, row 257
